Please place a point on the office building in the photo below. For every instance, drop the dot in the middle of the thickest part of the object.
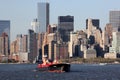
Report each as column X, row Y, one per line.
column 35, row 26
column 39, row 44
column 43, row 16
column 32, row 46
column 61, row 51
column 90, row 53
column 65, row 26
column 72, row 43
column 25, row 43
column 51, row 50
column 115, row 43
column 19, row 43
column 95, row 22
column 4, row 45
column 107, row 37
column 93, row 31
column 5, row 27
column 114, row 19
column 13, row 49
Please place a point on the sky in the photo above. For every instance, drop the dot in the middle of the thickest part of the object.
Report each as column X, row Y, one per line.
column 22, row 12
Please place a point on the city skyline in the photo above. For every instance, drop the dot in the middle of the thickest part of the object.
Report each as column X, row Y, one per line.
column 22, row 14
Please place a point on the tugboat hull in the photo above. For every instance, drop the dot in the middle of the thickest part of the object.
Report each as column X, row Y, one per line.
column 61, row 67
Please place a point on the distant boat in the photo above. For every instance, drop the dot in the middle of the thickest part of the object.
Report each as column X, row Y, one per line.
column 102, row 64
column 116, row 62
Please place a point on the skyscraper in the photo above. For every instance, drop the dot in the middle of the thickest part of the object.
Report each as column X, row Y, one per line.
column 4, row 45
column 43, row 16
column 93, row 30
column 35, row 25
column 5, row 27
column 95, row 22
column 114, row 19
column 65, row 26
column 32, row 45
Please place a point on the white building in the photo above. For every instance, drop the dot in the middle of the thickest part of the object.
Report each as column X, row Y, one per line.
column 110, row 55
column 115, row 43
column 35, row 26
column 73, row 39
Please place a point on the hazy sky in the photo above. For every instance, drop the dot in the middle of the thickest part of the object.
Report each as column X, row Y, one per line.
column 22, row 12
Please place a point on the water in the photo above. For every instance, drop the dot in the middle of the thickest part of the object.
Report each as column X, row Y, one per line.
column 78, row 72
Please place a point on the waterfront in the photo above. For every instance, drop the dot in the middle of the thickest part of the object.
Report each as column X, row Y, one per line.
column 78, row 72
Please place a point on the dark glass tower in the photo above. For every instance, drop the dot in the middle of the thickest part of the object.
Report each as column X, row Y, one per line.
column 65, row 26
column 5, row 27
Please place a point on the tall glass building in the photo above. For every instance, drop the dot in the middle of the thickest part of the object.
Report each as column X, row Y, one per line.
column 65, row 26
column 115, row 20
column 5, row 27
column 43, row 16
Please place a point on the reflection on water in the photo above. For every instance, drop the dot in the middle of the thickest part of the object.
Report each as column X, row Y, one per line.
column 78, row 72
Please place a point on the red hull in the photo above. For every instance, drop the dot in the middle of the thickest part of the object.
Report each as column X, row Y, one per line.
column 59, row 67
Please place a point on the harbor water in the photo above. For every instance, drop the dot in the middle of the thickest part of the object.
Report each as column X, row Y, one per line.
column 78, row 72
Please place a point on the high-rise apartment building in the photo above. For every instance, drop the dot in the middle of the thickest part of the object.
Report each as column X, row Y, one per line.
column 65, row 26
column 43, row 16
column 114, row 19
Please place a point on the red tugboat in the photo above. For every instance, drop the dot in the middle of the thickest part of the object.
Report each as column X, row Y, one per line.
column 53, row 66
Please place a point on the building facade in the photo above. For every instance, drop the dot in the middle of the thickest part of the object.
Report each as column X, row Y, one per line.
column 72, row 43
column 65, row 26
column 4, row 45
column 43, row 16
column 32, row 46
column 40, row 39
column 61, row 51
column 95, row 22
column 90, row 53
column 5, row 27
column 114, row 19
column 35, row 26
column 115, row 43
